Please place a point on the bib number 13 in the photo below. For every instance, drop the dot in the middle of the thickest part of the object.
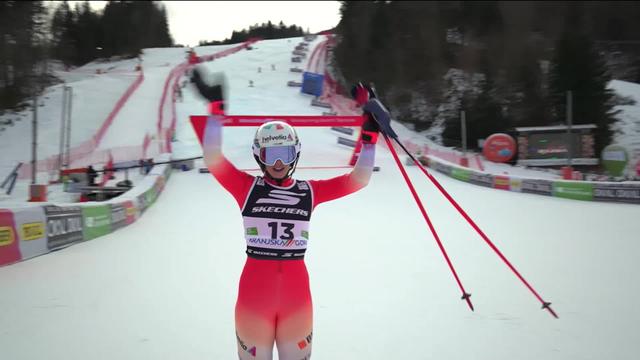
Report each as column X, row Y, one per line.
column 286, row 230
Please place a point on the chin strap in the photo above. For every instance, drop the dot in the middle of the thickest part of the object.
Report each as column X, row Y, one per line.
column 293, row 168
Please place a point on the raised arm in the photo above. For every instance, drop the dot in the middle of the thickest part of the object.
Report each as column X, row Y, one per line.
column 236, row 182
column 337, row 187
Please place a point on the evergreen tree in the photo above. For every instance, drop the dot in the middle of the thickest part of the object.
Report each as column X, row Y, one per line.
column 528, row 104
column 352, row 54
column 382, row 71
column 262, row 31
column 59, row 30
column 114, row 24
column 485, row 117
column 163, row 36
column 452, row 133
column 87, row 34
column 21, row 50
column 269, row 31
column 577, row 67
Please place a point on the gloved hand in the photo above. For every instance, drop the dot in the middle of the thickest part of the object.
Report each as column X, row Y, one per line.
column 362, row 93
column 370, row 124
column 370, row 129
column 212, row 92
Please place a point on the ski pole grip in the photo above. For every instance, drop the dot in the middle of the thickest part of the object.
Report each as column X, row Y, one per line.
column 381, row 115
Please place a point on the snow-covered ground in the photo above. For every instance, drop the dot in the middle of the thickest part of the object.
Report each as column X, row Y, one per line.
column 165, row 286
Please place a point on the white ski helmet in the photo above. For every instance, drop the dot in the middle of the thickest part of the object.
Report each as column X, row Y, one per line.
column 276, row 140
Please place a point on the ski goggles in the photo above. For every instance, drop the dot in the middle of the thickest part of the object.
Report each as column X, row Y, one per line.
column 286, row 153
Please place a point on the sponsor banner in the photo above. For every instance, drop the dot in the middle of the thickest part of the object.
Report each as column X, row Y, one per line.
column 501, row 182
column 541, row 187
column 31, row 225
column 515, row 184
column 97, row 221
column 159, row 184
column 142, row 203
column 615, row 159
column 64, row 225
column 499, row 148
column 573, row 190
column 268, row 243
column 460, row 174
column 9, row 249
column 132, row 211
column 481, row 179
column 616, row 192
column 32, row 231
column 118, row 216
column 266, row 253
column 150, row 196
column 445, row 169
column 312, row 83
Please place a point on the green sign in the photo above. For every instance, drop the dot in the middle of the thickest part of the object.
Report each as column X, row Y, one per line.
column 573, row 190
column 96, row 221
column 150, row 196
column 460, row 174
column 615, row 159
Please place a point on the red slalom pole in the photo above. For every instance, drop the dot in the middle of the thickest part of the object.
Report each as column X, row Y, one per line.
column 465, row 296
column 545, row 305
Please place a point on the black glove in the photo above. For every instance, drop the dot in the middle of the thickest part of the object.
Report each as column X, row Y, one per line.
column 370, row 124
column 370, row 129
column 210, row 92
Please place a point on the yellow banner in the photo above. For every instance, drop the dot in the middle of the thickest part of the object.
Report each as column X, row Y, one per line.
column 6, row 236
column 131, row 211
column 32, row 231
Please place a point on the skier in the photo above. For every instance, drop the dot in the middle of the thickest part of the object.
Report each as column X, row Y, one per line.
column 274, row 300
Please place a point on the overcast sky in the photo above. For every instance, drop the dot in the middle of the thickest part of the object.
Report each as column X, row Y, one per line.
column 192, row 21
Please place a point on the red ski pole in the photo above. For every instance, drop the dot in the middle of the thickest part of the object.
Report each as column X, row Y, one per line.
column 545, row 305
column 465, row 296
column 383, row 118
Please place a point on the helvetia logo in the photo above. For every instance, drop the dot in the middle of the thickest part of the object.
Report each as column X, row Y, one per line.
column 270, row 138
